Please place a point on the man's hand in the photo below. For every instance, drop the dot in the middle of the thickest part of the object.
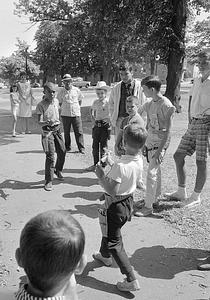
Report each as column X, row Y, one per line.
column 99, row 171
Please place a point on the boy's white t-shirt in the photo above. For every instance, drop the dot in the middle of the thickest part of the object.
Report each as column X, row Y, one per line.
column 128, row 172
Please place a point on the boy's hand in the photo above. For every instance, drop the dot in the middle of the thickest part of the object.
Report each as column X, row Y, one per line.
column 99, row 171
column 157, row 157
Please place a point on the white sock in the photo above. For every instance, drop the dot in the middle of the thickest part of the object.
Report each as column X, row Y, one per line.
column 195, row 196
column 182, row 191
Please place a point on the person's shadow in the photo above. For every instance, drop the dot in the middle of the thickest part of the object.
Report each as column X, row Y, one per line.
column 91, row 196
column 165, row 263
column 90, row 210
column 85, row 280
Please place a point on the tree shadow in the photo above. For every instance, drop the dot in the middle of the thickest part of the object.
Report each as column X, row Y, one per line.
column 31, row 151
column 91, row 282
column 91, row 196
column 90, row 210
column 165, row 263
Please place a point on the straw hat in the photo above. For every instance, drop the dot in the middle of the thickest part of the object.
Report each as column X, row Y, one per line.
column 101, row 85
column 67, row 77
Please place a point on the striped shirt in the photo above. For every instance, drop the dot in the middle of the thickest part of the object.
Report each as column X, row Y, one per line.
column 22, row 294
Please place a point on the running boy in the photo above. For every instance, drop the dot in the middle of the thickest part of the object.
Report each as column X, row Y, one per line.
column 160, row 112
column 101, row 128
column 132, row 105
column 48, row 118
column 119, row 185
column 51, row 252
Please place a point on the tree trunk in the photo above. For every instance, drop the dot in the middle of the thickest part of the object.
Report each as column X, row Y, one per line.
column 152, row 66
column 107, row 74
column 176, row 52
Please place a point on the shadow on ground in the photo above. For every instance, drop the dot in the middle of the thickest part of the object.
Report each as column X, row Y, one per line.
column 90, row 210
column 165, row 263
column 86, row 280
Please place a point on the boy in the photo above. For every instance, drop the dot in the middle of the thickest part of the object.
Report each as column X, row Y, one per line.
column 48, row 118
column 160, row 112
column 101, row 130
column 119, row 185
column 51, row 251
column 196, row 138
column 132, row 104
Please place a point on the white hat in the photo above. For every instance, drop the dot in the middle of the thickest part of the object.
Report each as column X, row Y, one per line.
column 67, row 77
column 101, row 85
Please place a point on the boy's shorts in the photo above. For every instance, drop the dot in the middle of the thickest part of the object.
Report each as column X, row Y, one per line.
column 196, row 139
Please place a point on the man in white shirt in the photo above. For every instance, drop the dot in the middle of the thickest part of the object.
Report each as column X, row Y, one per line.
column 128, row 86
column 70, row 99
column 196, row 137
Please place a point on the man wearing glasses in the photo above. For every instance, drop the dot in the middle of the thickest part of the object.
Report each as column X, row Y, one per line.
column 196, row 138
column 47, row 112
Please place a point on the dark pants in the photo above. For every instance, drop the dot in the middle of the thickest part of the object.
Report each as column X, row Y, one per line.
column 76, row 122
column 53, row 142
column 117, row 215
column 100, row 136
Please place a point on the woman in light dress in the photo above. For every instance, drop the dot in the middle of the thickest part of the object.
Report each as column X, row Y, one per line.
column 26, row 98
column 14, row 99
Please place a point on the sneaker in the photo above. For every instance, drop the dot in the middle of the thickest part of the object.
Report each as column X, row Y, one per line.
column 59, row 175
column 91, row 168
column 191, row 202
column 68, row 149
column 82, row 151
column 48, row 186
column 107, row 261
column 175, row 196
column 127, row 286
column 138, row 204
column 144, row 212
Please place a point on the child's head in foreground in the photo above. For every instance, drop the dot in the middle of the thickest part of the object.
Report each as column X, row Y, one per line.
column 134, row 138
column 51, row 249
column 151, row 85
column 132, row 105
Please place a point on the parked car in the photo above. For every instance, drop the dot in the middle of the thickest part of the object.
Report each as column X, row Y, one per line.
column 79, row 82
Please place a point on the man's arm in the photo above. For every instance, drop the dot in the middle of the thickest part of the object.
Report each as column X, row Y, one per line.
column 111, row 103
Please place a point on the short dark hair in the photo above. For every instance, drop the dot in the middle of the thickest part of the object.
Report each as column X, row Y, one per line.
column 152, row 81
column 12, row 86
column 23, row 73
column 125, row 67
column 203, row 54
column 51, row 246
column 135, row 136
column 133, row 99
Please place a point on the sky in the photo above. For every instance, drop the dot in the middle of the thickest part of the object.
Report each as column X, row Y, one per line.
column 13, row 27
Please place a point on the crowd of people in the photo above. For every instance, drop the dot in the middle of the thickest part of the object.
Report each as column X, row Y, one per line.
column 142, row 120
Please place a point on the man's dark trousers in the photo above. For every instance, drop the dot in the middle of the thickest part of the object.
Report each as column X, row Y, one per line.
column 76, row 123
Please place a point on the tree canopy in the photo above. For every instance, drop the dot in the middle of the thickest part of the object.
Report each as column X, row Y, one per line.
column 98, row 34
